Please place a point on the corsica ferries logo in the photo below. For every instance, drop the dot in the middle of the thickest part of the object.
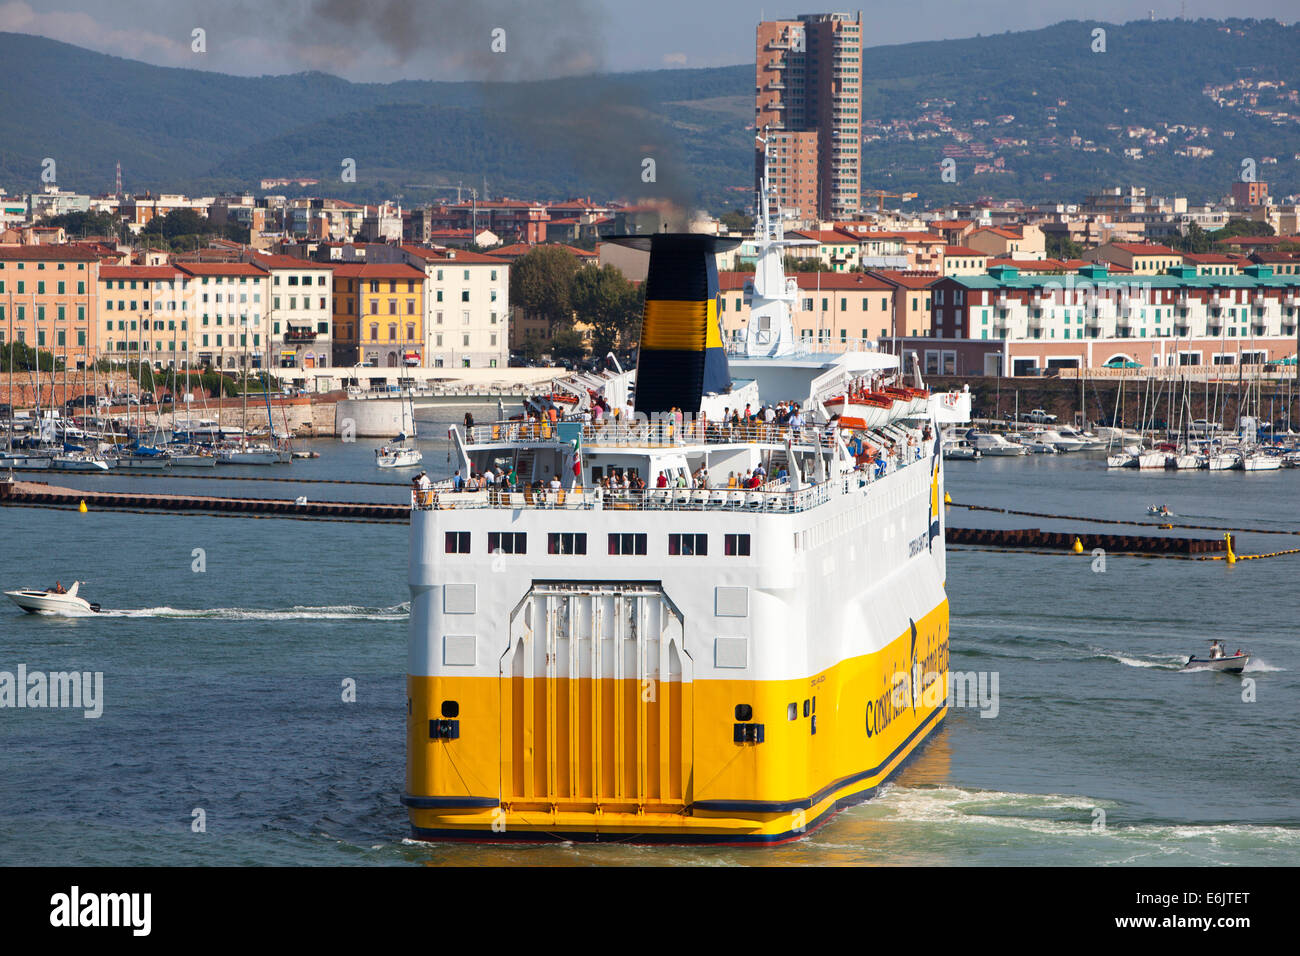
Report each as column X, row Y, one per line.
column 922, row 685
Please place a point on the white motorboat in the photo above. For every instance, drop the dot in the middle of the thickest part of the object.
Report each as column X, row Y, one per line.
column 79, row 461
column 398, row 456
column 1219, row 660
column 1038, row 444
column 1223, row 461
column 959, row 449
column 1261, row 462
column 257, row 454
column 140, row 460
column 42, row 601
column 1161, row 511
column 21, row 462
column 1232, row 664
column 991, row 444
column 191, row 456
column 1062, row 441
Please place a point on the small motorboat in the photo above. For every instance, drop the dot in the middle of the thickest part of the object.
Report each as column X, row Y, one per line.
column 1219, row 661
column 1160, row 511
column 398, row 456
column 38, row 601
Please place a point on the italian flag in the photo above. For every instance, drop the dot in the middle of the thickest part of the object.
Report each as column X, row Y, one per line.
column 577, row 457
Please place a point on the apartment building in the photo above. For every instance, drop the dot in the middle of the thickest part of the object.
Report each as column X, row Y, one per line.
column 808, row 75
column 1017, row 323
column 1141, row 258
column 467, row 304
column 229, row 327
column 300, row 311
column 48, row 299
column 850, row 310
column 145, row 313
column 378, row 314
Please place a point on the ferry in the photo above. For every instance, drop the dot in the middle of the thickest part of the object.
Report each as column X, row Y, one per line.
column 703, row 660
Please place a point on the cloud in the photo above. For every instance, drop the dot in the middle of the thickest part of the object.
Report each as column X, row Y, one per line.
column 674, row 59
column 84, row 30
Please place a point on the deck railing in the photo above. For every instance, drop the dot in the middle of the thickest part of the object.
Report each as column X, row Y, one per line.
column 772, row 497
column 643, row 434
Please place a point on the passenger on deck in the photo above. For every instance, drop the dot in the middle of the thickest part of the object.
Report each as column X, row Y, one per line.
column 661, row 481
column 457, row 481
column 59, row 588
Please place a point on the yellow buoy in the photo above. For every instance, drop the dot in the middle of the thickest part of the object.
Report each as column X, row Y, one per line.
column 82, row 507
column 1078, row 546
column 947, row 498
column 1232, row 558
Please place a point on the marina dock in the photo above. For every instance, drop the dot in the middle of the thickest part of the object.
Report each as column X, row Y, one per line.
column 40, row 494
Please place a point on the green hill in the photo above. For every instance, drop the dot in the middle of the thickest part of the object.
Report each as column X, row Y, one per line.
column 200, row 132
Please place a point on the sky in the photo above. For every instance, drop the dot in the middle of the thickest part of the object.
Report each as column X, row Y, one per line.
column 386, row 40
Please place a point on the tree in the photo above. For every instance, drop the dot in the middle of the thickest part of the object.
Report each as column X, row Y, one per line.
column 1060, row 246
column 1196, row 240
column 540, row 284
column 533, row 348
column 606, row 300
column 1243, row 227
column 737, row 221
column 82, row 224
column 179, row 222
column 567, row 344
column 814, row 264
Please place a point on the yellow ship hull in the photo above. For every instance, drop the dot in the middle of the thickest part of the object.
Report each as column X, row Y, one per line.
column 536, row 759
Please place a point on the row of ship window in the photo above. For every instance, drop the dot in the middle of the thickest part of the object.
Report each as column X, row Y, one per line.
column 565, row 542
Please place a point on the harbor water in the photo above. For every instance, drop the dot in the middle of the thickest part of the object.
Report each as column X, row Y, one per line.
column 254, row 686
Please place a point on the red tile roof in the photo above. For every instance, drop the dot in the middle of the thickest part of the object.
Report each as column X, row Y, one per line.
column 60, row 253
column 1144, row 249
column 827, row 236
column 268, row 260
column 377, row 270
column 963, row 251
column 453, row 255
column 907, row 279
column 1212, row 258
column 221, row 269
column 1006, row 232
column 811, row 281
column 138, row 272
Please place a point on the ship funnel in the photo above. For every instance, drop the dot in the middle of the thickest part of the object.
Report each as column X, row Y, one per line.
column 681, row 356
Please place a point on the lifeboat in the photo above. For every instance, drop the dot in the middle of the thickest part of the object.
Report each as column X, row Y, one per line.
column 861, row 409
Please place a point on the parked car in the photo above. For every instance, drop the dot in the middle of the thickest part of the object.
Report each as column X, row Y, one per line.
column 1122, row 363
column 81, row 401
column 1040, row 417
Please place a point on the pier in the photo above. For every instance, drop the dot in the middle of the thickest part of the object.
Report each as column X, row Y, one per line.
column 1034, row 539
column 42, row 495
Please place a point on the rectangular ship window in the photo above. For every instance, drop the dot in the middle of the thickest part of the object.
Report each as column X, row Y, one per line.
column 627, row 544
column 688, row 545
column 458, row 542
column 736, row 545
column 566, row 543
column 507, row 542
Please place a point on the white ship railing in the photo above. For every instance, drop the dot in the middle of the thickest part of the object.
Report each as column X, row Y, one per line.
column 653, row 434
column 772, row 497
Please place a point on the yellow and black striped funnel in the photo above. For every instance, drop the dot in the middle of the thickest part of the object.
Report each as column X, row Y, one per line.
column 681, row 355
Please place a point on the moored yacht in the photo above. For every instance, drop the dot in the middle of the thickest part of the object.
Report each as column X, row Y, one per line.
column 993, row 444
